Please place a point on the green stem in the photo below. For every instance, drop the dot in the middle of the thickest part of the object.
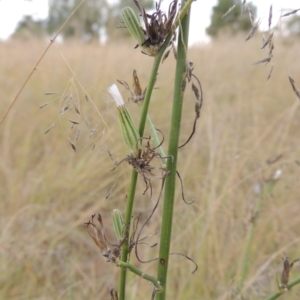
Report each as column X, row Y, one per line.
column 130, row 199
column 127, row 265
column 150, row 86
column 125, row 248
column 167, row 216
column 279, row 293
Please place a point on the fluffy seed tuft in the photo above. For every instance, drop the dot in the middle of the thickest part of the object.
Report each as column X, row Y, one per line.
column 114, row 91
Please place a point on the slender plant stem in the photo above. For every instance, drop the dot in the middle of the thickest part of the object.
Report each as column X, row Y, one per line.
column 127, row 265
column 125, row 248
column 279, row 293
column 130, row 199
column 150, row 86
column 167, row 216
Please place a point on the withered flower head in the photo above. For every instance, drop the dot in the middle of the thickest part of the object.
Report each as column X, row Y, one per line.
column 98, row 235
column 156, row 26
column 137, row 94
column 285, row 275
column 111, row 252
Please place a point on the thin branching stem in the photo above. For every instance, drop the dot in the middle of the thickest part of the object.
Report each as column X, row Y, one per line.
column 150, row 86
column 279, row 293
column 152, row 279
column 130, row 199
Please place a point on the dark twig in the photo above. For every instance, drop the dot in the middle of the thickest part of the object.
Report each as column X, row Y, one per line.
column 182, row 192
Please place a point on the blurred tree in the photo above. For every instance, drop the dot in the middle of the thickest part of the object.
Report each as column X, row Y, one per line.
column 28, row 28
column 115, row 26
column 94, row 18
column 85, row 24
column 234, row 21
column 293, row 25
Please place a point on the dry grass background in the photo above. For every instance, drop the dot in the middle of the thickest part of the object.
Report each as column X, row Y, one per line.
column 48, row 191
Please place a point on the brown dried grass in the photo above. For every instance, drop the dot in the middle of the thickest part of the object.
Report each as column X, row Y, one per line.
column 48, row 191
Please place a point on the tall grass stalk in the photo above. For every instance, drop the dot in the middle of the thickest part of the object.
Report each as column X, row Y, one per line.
column 181, row 63
column 134, row 176
column 167, row 215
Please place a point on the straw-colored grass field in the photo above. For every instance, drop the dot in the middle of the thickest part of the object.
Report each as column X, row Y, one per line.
column 48, row 191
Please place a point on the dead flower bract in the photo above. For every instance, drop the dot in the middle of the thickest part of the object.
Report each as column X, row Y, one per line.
column 141, row 163
column 137, row 94
column 111, row 252
column 157, row 26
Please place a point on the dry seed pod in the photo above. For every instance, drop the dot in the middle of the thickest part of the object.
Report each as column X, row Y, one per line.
column 114, row 294
column 270, row 16
column 43, row 105
column 264, row 60
column 72, row 145
column 292, row 81
column 229, row 11
column 49, row 128
column 270, row 72
column 137, row 95
column 267, row 41
column 253, row 30
column 285, row 275
column 98, row 235
column 291, row 12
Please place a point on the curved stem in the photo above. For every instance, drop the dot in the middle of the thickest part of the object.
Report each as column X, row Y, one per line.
column 279, row 293
column 126, row 265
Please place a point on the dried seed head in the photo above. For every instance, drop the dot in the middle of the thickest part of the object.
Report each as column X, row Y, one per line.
column 72, row 145
column 113, row 294
column 285, row 275
column 49, row 128
column 137, row 95
column 130, row 133
column 156, row 26
column 253, row 30
column 43, row 105
column 290, row 12
column 270, row 16
column 292, row 81
column 98, row 235
column 229, row 11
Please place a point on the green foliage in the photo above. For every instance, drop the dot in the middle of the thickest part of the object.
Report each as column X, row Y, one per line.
column 234, row 21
